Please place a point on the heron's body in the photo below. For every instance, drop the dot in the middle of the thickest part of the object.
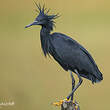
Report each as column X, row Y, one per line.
column 66, row 51
column 69, row 54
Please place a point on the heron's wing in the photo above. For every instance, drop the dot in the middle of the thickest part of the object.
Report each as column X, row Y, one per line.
column 73, row 53
column 89, row 56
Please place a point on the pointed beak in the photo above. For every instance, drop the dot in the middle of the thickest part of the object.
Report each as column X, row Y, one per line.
column 34, row 23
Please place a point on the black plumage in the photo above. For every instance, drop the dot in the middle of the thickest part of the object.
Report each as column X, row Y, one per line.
column 66, row 51
column 71, row 55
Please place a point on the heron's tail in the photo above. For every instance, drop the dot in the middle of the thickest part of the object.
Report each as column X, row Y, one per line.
column 97, row 77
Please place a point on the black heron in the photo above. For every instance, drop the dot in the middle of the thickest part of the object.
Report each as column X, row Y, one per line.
column 67, row 52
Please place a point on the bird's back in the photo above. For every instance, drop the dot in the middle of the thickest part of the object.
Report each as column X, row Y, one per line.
column 71, row 55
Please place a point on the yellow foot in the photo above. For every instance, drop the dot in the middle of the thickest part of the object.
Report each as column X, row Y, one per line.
column 59, row 103
column 76, row 106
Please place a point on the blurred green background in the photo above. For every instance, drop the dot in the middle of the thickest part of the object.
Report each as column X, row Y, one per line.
column 32, row 81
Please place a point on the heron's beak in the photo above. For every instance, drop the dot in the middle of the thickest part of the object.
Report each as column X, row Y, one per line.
column 34, row 23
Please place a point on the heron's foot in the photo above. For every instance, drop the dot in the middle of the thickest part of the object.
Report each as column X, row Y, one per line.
column 59, row 103
column 76, row 106
column 70, row 105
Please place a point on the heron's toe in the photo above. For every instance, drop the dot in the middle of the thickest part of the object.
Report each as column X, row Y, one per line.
column 76, row 106
column 59, row 103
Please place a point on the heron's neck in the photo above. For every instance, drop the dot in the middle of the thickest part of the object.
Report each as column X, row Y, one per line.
column 44, row 36
column 45, row 31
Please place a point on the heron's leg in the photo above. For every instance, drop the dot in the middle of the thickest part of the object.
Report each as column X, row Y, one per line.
column 79, row 83
column 67, row 100
column 73, row 83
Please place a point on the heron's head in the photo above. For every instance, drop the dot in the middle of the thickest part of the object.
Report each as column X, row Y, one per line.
column 43, row 18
